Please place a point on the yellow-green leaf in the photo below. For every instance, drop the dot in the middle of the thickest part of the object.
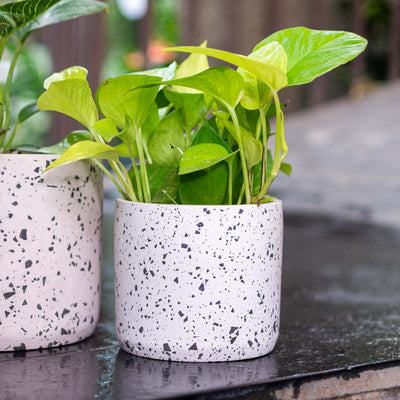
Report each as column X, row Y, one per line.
column 268, row 73
column 84, row 150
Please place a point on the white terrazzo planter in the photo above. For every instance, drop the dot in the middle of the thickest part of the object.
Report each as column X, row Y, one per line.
column 198, row 283
column 50, row 252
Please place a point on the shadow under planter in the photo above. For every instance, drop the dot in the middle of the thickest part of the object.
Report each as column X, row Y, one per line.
column 198, row 283
column 50, row 251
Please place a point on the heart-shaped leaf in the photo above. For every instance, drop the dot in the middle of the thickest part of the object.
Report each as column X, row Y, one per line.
column 84, row 150
column 205, row 187
column 75, row 72
column 192, row 106
column 167, row 141
column 192, row 65
column 268, row 73
column 106, row 129
column 222, row 83
column 256, row 93
column 71, row 97
column 66, row 143
column 312, row 53
column 201, row 156
column 116, row 98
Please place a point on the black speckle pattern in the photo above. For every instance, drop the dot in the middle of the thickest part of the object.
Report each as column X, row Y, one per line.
column 50, row 252
column 198, row 283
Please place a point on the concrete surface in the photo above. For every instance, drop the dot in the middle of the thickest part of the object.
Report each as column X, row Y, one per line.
column 345, row 156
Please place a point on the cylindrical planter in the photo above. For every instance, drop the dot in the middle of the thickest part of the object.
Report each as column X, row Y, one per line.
column 50, row 251
column 198, row 283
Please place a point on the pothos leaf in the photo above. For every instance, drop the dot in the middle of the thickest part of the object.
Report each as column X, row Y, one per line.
column 268, row 73
column 67, row 142
column 75, row 72
column 72, row 97
column 312, row 53
column 84, row 150
column 201, row 156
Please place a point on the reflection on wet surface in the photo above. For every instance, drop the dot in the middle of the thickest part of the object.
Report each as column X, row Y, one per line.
column 340, row 309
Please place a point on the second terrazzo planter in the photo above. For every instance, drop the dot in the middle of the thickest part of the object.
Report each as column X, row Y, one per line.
column 50, row 251
column 198, row 283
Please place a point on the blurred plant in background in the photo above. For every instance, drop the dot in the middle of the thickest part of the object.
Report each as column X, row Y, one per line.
column 137, row 31
column 33, row 67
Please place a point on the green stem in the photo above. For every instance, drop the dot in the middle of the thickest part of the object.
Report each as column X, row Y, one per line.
column 6, row 94
column 241, row 195
column 107, row 172
column 11, row 138
column 245, row 171
column 187, row 132
column 281, row 149
column 230, row 185
column 143, row 169
column 127, row 182
column 137, row 179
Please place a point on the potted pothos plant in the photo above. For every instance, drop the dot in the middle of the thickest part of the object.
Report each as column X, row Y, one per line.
column 198, row 239
column 50, row 226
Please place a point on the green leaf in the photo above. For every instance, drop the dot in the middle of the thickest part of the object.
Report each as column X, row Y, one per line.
column 192, row 65
column 222, row 83
column 64, row 10
column 256, row 93
column 69, row 73
column 20, row 13
column 268, row 73
column 253, row 150
column 164, row 183
column 66, row 143
column 165, row 73
column 106, row 129
column 192, row 106
column 151, row 123
column 257, row 173
column 123, row 150
column 286, row 169
column 34, row 14
column 201, row 156
column 205, row 187
column 207, row 134
column 312, row 53
column 27, row 112
column 116, row 98
column 84, row 150
column 167, row 140
column 72, row 97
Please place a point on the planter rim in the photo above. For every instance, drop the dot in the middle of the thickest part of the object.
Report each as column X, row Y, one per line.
column 275, row 201
column 31, row 155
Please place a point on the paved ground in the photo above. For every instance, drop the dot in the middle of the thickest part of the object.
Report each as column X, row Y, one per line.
column 346, row 158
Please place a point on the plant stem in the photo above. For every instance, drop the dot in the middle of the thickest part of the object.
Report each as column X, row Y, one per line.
column 137, row 179
column 143, row 170
column 9, row 141
column 127, row 182
column 241, row 195
column 245, row 171
column 126, row 188
column 281, row 149
column 230, row 172
column 6, row 94
column 107, row 172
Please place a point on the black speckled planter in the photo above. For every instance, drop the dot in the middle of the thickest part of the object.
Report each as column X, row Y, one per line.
column 50, row 252
column 198, row 283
